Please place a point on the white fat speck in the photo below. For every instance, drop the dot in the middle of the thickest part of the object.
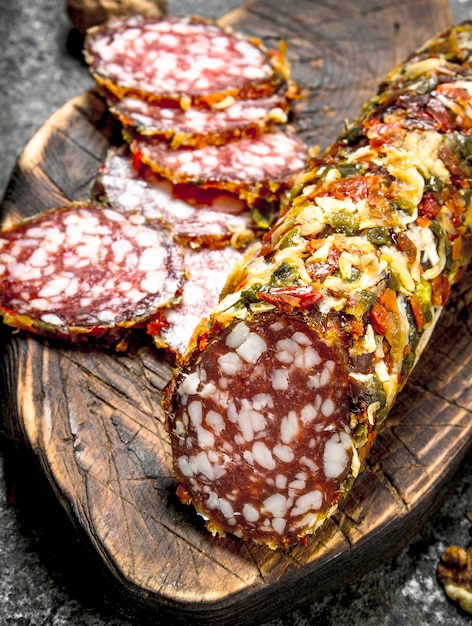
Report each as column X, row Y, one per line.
column 106, row 317
column 212, row 500
column 252, row 348
column 203, row 465
column 195, row 413
column 276, row 504
column 301, row 339
column 250, row 513
column 312, row 466
column 237, row 336
column 279, row 379
column 298, row 485
column 189, row 384
column 279, row 524
column 50, row 318
column 262, row 401
column 284, row 453
column 327, row 408
column 208, row 390
column 308, row 413
column 225, row 507
column 335, row 455
column 289, row 427
column 281, row 481
column 262, row 455
column 186, row 466
column 206, row 439
column 229, row 363
column 54, row 287
column 247, row 456
column 38, row 258
column 307, row 359
column 215, row 421
column 287, row 345
column 308, row 501
column 276, row 326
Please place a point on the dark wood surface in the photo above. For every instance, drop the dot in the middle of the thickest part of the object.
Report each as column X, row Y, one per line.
column 93, row 421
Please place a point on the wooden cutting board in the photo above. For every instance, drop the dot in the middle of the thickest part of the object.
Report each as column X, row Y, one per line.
column 93, row 421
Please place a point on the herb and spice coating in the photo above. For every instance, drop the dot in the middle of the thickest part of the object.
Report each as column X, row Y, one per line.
column 280, row 394
column 86, row 270
column 183, row 60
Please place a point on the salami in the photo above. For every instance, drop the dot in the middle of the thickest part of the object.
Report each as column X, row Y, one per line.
column 206, row 272
column 263, row 167
column 218, row 223
column 86, row 270
column 282, row 390
column 185, row 60
column 201, row 126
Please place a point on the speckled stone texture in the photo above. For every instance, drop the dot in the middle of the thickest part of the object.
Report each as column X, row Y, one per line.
column 46, row 576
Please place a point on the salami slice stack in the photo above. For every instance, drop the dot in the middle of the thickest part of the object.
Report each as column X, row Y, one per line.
column 200, row 104
column 203, row 111
column 199, row 175
column 281, row 393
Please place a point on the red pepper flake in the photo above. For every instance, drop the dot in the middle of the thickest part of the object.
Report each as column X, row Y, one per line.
column 418, row 312
column 440, row 289
column 287, row 298
column 155, row 327
column 383, row 312
column 407, row 246
column 429, row 206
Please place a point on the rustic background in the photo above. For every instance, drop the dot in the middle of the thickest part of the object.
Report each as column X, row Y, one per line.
column 43, row 572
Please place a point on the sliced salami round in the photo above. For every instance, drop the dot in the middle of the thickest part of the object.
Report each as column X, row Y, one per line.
column 218, row 223
column 183, row 59
column 263, row 167
column 260, row 430
column 85, row 268
column 207, row 270
column 201, row 126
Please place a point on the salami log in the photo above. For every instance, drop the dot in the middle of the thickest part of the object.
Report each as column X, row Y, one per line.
column 183, row 60
column 219, row 222
column 281, row 393
column 86, row 270
column 254, row 169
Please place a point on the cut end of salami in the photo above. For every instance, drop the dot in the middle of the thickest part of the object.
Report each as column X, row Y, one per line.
column 260, row 430
column 185, row 59
column 85, row 269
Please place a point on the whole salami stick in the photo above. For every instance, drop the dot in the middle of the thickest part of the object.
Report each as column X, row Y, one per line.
column 281, row 392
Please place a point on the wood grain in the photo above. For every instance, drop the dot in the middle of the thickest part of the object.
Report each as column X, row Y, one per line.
column 93, row 420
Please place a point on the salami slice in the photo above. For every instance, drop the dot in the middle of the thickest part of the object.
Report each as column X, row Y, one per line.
column 263, row 167
column 86, row 269
column 182, row 59
column 218, row 223
column 281, row 392
column 206, row 273
column 201, row 126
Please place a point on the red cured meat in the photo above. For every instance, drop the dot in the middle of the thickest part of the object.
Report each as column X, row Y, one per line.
column 216, row 224
column 181, row 58
column 253, row 168
column 86, row 267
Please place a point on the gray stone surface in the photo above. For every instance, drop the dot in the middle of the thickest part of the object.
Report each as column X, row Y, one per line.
column 40, row 583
